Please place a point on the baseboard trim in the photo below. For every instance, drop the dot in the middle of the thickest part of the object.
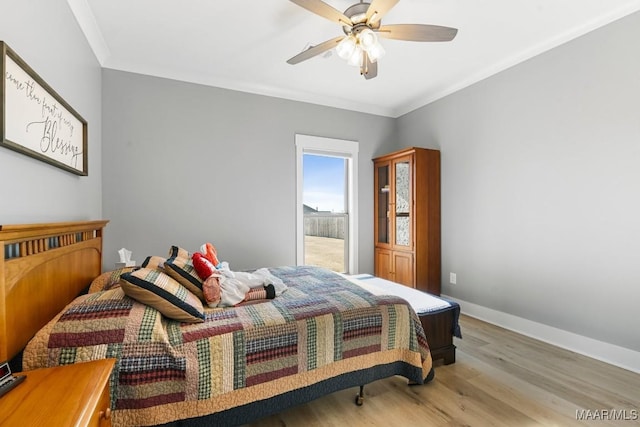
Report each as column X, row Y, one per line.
column 605, row 352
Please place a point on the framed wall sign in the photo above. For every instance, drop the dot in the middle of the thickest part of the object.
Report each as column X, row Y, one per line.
column 36, row 121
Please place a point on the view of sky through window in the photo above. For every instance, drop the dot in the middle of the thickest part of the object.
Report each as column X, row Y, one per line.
column 323, row 182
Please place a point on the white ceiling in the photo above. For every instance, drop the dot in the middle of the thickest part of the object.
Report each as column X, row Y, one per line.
column 244, row 44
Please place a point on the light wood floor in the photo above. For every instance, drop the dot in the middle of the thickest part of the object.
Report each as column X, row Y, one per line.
column 500, row 378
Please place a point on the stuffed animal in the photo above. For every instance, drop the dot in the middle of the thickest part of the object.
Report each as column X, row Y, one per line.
column 224, row 288
column 210, row 278
column 209, row 251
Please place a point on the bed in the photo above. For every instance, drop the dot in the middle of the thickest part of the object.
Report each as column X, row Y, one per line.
column 439, row 315
column 240, row 364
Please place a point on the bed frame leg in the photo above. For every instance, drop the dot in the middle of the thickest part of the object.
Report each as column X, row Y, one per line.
column 360, row 396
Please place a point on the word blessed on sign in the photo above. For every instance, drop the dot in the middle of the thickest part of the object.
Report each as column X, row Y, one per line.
column 39, row 123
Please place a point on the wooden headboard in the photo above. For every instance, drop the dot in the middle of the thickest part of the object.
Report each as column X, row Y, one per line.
column 43, row 267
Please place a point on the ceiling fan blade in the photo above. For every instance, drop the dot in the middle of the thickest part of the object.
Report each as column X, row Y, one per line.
column 378, row 8
column 370, row 69
column 417, row 32
column 315, row 50
column 323, row 9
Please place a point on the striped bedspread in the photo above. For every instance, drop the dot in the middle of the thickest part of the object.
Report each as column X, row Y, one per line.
column 321, row 329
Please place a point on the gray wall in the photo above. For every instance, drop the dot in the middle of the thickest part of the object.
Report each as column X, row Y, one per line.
column 45, row 34
column 541, row 186
column 187, row 164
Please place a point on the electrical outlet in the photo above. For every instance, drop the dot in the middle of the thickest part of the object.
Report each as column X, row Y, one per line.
column 452, row 278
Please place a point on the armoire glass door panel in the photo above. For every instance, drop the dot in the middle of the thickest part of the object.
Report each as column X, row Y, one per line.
column 402, row 203
column 382, row 213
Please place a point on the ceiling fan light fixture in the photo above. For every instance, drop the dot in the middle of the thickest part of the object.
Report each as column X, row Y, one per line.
column 376, row 52
column 355, row 59
column 367, row 39
column 346, row 47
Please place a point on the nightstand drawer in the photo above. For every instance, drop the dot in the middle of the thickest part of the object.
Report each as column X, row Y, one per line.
column 102, row 414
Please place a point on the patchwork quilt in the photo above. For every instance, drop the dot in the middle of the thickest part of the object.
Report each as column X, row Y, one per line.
column 321, row 330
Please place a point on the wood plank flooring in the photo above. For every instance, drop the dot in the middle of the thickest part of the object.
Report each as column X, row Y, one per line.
column 500, row 378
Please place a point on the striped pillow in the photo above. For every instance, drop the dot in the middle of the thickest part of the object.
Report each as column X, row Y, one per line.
column 153, row 262
column 156, row 289
column 108, row 280
column 180, row 267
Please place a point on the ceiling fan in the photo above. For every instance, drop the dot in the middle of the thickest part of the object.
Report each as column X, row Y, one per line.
column 362, row 26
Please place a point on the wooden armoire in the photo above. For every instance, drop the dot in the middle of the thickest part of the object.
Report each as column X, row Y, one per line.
column 407, row 218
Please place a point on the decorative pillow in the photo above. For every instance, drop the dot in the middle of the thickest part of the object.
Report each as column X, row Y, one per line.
column 180, row 267
column 153, row 262
column 108, row 280
column 156, row 289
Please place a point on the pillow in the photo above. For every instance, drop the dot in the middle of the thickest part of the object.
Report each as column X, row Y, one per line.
column 156, row 289
column 180, row 267
column 153, row 262
column 108, row 280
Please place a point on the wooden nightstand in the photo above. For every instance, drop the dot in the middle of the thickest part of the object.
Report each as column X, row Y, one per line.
column 71, row 395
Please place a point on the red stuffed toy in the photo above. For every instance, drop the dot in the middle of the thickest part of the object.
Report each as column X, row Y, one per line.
column 210, row 252
column 207, row 272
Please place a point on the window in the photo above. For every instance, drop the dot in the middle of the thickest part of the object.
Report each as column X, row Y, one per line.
column 331, row 151
column 324, row 196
